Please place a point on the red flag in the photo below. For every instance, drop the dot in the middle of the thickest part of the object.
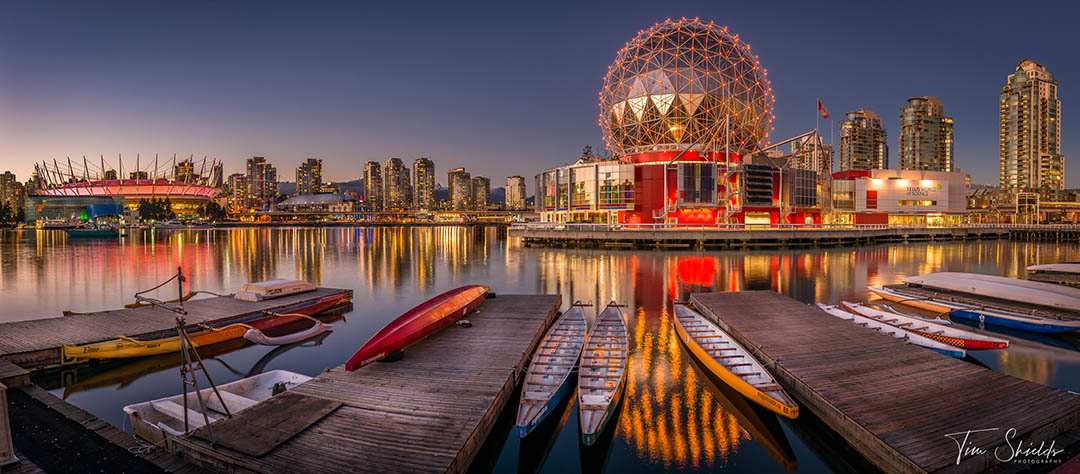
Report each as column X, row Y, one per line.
column 821, row 108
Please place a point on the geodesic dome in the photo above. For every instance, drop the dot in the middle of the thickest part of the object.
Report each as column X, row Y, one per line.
column 672, row 82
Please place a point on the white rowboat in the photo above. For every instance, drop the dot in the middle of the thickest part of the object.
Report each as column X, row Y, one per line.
column 947, row 334
column 158, row 420
column 1068, row 267
column 548, row 380
column 602, row 376
column 1009, row 289
column 890, row 330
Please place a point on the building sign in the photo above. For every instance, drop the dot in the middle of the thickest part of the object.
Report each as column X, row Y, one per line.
column 901, row 195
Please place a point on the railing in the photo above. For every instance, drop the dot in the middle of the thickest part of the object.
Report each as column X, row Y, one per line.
column 592, row 227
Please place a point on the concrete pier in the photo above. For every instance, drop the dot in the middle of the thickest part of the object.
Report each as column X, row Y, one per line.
column 595, row 235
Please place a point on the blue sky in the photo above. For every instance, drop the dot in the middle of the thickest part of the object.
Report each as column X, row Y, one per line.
column 502, row 88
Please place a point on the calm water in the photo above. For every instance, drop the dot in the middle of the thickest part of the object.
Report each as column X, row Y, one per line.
column 673, row 417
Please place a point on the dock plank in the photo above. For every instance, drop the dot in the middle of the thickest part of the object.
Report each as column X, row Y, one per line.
column 429, row 412
column 893, row 402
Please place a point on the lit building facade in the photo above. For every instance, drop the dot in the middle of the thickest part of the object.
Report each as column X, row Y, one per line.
column 515, row 193
column 459, row 185
column 262, row 183
column 899, row 197
column 926, row 136
column 809, row 153
column 1030, row 132
column 397, row 189
column 481, row 193
column 373, row 188
column 184, row 172
column 863, row 142
column 12, row 192
column 309, row 177
column 423, row 175
column 681, row 105
column 237, row 200
column 73, row 180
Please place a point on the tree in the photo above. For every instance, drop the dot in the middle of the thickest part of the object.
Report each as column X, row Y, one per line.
column 213, row 212
column 587, row 153
column 155, row 210
column 6, row 216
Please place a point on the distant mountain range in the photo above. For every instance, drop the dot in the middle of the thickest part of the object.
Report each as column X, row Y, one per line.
column 288, row 188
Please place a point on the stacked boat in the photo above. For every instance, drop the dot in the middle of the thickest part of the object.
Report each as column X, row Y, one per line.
column 894, row 331
column 252, row 326
column 991, row 300
column 940, row 338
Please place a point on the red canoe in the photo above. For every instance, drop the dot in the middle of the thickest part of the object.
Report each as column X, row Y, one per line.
column 307, row 308
column 420, row 322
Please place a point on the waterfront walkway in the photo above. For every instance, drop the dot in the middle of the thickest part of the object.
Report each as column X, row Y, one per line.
column 429, row 412
column 893, row 402
column 740, row 235
column 38, row 342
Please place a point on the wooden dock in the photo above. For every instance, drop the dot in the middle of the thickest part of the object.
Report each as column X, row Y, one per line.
column 38, row 343
column 429, row 412
column 893, row 402
column 89, row 433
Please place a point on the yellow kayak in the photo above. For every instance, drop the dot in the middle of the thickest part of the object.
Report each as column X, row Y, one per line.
column 731, row 362
column 123, row 347
column 889, row 295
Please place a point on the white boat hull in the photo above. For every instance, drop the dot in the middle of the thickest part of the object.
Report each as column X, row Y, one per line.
column 1009, row 289
column 157, row 421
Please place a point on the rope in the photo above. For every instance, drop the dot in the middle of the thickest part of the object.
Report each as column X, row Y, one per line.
column 160, row 285
column 292, row 315
column 141, row 447
column 191, row 294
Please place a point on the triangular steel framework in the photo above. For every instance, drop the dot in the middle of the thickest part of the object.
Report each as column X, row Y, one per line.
column 688, row 75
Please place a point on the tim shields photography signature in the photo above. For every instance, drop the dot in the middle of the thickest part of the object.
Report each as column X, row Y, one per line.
column 1014, row 450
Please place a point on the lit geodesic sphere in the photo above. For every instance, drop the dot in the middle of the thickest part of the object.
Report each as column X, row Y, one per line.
column 672, row 82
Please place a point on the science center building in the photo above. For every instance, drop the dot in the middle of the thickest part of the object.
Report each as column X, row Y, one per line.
column 685, row 110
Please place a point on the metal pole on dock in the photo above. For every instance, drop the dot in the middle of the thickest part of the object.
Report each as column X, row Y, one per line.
column 190, row 362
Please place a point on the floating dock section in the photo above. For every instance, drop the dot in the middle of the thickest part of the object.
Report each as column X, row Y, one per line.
column 895, row 403
column 429, row 412
column 38, row 343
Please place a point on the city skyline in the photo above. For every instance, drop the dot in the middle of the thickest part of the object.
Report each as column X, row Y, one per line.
column 294, row 121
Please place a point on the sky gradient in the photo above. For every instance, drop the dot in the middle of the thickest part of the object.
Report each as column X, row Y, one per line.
column 502, row 89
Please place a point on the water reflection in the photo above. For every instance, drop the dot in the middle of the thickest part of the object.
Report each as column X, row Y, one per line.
column 671, row 418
